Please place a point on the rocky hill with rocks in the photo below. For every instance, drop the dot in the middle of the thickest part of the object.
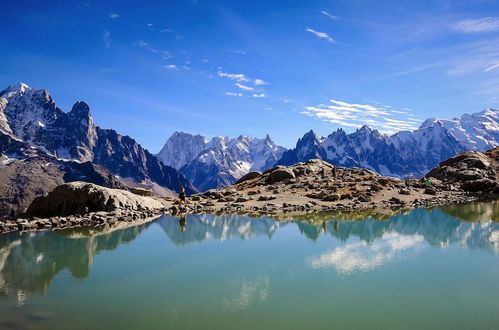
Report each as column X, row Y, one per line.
column 319, row 186
column 470, row 171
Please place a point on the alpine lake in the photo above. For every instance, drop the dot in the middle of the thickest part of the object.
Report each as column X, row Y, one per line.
column 417, row 269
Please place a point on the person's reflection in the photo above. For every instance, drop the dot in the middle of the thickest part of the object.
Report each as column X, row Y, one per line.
column 182, row 222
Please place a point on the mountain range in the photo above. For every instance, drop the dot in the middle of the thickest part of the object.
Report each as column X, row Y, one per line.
column 220, row 161
column 41, row 145
column 404, row 154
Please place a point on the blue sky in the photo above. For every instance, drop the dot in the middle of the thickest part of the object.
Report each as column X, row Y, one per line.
column 150, row 68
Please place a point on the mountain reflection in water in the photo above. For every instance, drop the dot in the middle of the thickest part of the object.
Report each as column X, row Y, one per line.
column 29, row 262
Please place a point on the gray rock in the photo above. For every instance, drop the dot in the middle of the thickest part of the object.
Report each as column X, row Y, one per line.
column 249, row 176
column 430, row 190
column 80, row 197
column 279, row 175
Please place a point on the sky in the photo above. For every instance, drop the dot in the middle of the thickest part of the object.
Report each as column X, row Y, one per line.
column 282, row 67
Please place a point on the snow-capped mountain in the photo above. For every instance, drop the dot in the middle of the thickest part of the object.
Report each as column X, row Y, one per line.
column 478, row 131
column 406, row 153
column 182, row 148
column 31, row 115
column 220, row 161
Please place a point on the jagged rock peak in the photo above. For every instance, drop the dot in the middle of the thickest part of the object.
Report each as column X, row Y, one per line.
column 81, row 107
column 17, row 88
column 365, row 128
column 20, row 90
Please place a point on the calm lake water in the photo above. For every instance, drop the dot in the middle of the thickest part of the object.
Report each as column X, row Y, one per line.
column 426, row 269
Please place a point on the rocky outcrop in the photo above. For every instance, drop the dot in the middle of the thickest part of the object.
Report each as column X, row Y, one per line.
column 316, row 185
column 471, row 171
column 141, row 191
column 249, row 176
column 81, row 198
column 280, row 174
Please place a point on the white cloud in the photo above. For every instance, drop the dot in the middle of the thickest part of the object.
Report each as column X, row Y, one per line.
column 485, row 24
column 328, row 14
column 171, row 67
column 362, row 256
column 149, row 24
column 234, row 76
column 492, row 67
column 163, row 53
column 475, row 58
column 244, row 87
column 106, row 37
column 233, row 94
column 259, row 95
column 322, row 35
column 239, row 77
column 165, row 30
column 114, row 15
column 145, row 45
column 259, row 82
column 381, row 117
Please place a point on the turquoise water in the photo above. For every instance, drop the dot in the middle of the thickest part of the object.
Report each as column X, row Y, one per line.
column 427, row 269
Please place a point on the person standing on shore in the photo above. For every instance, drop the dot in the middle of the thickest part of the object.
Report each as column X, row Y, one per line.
column 182, row 197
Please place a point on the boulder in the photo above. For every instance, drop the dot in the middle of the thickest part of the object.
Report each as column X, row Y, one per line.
column 484, row 184
column 471, row 171
column 331, row 198
column 81, row 197
column 141, row 191
column 396, row 200
column 279, row 175
column 249, row 176
column 430, row 191
column 266, row 198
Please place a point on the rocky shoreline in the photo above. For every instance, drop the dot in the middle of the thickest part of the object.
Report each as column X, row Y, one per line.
column 111, row 219
column 304, row 188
